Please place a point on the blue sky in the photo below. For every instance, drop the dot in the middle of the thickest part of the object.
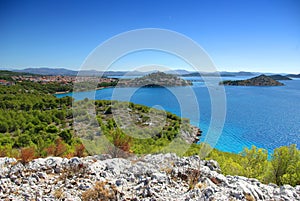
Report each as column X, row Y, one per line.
column 256, row 35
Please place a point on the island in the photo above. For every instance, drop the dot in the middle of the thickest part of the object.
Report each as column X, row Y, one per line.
column 157, row 79
column 279, row 77
column 261, row 80
column 293, row 75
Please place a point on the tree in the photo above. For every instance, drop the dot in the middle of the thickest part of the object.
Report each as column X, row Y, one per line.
column 292, row 175
column 52, row 129
column 24, row 140
column 284, row 165
column 67, row 136
column 3, row 126
column 255, row 162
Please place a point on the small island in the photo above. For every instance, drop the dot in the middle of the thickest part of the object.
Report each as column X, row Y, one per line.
column 279, row 77
column 261, row 80
column 294, row 75
column 158, row 79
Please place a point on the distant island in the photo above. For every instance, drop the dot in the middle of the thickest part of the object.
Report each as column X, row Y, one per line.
column 261, row 80
column 99, row 73
column 293, row 75
column 217, row 74
column 279, row 77
column 156, row 79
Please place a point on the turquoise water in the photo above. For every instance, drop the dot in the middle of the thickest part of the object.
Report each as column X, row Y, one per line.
column 267, row 117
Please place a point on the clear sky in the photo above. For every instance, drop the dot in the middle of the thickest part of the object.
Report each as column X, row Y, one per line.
column 252, row 35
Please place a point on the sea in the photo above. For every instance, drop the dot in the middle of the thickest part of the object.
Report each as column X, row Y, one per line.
column 267, row 117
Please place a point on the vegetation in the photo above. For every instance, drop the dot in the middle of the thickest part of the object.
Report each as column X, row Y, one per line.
column 7, row 75
column 34, row 123
column 101, row 191
column 154, row 80
column 144, row 130
column 283, row 167
column 92, row 85
column 107, row 84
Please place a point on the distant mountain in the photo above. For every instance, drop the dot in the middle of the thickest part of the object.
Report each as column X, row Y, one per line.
column 261, row 80
column 48, row 71
column 196, row 74
column 67, row 72
column 222, row 74
column 279, row 77
column 244, row 73
column 178, row 72
column 293, row 75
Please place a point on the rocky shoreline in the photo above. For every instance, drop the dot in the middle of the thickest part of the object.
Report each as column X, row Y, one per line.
column 151, row 177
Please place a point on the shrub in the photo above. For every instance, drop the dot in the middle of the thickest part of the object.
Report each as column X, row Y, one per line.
column 101, row 191
column 79, row 150
column 121, row 144
column 57, row 149
column 27, row 154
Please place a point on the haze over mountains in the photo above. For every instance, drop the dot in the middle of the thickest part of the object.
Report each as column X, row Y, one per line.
column 181, row 72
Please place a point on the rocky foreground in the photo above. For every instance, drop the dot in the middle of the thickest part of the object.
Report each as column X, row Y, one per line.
column 152, row 177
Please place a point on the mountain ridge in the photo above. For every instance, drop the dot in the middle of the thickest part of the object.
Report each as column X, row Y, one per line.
column 180, row 72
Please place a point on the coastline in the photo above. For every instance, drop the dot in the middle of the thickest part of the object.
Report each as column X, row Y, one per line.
column 66, row 92
column 61, row 92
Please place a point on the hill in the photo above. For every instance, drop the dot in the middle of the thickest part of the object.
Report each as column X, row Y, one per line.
column 293, row 75
column 67, row 72
column 7, row 75
column 178, row 72
column 155, row 80
column 222, row 74
column 279, row 77
column 42, row 116
column 49, row 71
column 261, row 80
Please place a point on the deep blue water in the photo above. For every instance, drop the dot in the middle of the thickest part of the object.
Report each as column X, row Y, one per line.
column 267, row 117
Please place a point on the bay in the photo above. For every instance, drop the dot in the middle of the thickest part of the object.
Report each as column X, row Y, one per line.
column 267, row 117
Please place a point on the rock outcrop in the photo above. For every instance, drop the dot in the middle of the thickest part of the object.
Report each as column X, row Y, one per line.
column 152, row 177
column 261, row 80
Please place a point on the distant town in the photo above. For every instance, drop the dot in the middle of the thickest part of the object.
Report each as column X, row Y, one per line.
column 51, row 79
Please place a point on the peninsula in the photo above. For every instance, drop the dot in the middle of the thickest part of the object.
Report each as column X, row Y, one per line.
column 261, row 80
column 154, row 80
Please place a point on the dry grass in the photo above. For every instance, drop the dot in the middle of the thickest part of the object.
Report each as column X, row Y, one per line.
column 101, row 191
column 201, row 185
column 249, row 197
column 27, row 154
column 58, row 193
column 193, row 178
